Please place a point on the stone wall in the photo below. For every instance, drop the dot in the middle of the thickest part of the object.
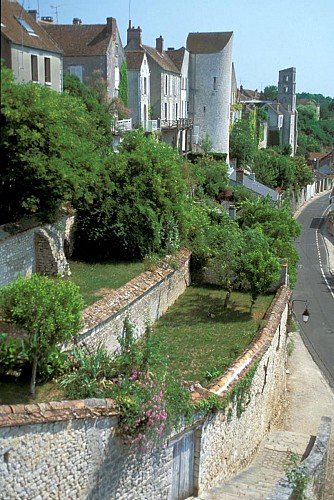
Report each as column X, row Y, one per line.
column 314, row 467
column 26, row 248
column 144, row 299
column 72, row 449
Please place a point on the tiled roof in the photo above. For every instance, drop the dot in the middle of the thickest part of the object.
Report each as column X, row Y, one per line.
column 134, row 59
column 81, row 39
column 177, row 56
column 16, row 33
column 208, row 43
column 255, row 186
column 162, row 60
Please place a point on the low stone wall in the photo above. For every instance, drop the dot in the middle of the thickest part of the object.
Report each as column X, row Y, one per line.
column 144, row 299
column 314, row 467
column 26, row 248
column 72, row 450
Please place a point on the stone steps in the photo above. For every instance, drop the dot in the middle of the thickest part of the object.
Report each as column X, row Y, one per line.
column 257, row 481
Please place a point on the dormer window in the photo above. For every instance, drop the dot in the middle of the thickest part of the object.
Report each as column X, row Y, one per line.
column 26, row 26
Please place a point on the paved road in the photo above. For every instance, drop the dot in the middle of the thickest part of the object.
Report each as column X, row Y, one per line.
column 315, row 284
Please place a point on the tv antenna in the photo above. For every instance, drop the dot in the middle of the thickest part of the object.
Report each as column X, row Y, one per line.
column 129, row 10
column 56, row 7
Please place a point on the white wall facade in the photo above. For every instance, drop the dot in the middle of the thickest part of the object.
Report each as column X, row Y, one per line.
column 210, row 92
column 21, row 66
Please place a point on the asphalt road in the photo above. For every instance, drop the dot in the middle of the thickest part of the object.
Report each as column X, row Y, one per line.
column 315, row 284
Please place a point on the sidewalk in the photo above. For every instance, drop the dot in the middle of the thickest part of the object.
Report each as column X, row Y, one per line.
column 308, row 397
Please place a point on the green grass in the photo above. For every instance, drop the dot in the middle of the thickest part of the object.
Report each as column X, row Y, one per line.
column 19, row 392
column 196, row 335
column 199, row 337
column 95, row 279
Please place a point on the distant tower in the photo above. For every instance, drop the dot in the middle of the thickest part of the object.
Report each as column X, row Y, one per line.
column 287, row 88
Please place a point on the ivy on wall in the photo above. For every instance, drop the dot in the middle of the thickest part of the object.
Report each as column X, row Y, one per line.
column 123, row 84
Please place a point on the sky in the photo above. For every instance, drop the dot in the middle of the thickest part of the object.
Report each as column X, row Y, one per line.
column 269, row 35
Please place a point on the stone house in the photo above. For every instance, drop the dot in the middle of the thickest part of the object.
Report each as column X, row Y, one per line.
column 282, row 113
column 210, row 79
column 168, row 84
column 139, row 89
column 27, row 49
column 240, row 177
column 90, row 49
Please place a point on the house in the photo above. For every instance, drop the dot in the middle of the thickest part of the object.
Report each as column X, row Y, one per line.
column 27, row 48
column 165, row 86
column 210, row 77
column 90, row 49
column 282, row 113
column 238, row 177
column 139, row 89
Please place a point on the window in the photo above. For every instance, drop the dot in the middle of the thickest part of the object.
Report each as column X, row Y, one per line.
column 76, row 70
column 286, row 90
column 214, row 83
column 166, row 84
column 286, row 78
column 116, row 55
column 166, row 111
column 47, row 69
column 26, row 26
column 145, row 85
column 176, row 111
column 34, row 68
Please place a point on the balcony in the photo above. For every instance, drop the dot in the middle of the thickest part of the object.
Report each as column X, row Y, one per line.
column 180, row 124
column 121, row 126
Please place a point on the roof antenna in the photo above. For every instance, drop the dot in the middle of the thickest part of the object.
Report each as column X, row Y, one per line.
column 129, row 10
column 56, row 7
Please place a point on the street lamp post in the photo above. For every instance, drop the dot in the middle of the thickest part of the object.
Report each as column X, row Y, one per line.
column 306, row 314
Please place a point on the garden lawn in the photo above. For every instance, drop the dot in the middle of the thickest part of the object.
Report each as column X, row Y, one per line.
column 200, row 339
column 96, row 279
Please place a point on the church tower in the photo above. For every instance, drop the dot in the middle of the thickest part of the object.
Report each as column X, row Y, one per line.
column 287, row 88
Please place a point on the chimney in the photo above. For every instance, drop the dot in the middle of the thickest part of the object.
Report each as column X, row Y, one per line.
column 159, row 44
column 33, row 14
column 47, row 19
column 239, row 176
column 134, row 34
column 111, row 27
column 76, row 20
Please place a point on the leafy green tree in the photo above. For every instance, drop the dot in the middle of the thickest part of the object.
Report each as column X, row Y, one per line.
column 259, row 266
column 50, row 311
column 51, row 150
column 303, row 173
column 243, row 144
column 278, row 225
column 141, row 206
column 209, row 176
column 270, row 92
column 123, row 84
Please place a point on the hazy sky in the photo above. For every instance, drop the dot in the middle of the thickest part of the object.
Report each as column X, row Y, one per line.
column 269, row 35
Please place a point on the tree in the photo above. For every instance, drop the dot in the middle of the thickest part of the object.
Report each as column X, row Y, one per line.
column 243, row 143
column 51, row 149
column 123, row 83
column 49, row 310
column 259, row 266
column 270, row 92
column 141, row 207
column 278, row 225
column 227, row 248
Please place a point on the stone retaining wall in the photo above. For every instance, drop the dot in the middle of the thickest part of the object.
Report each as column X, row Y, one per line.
column 143, row 299
column 26, row 248
column 71, row 449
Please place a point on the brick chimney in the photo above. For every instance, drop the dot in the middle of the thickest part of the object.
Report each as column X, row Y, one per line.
column 159, row 44
column 111, row 26
column 134, row 34
column 239, row 176
column 76, row 20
